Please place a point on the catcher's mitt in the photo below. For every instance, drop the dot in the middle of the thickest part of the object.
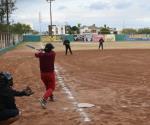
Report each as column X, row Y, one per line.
column 28, row 91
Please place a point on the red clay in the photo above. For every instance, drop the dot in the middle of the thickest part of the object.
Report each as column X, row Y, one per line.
column 117, row 82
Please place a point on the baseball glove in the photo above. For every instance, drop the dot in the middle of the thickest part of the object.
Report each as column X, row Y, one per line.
column 28, row 91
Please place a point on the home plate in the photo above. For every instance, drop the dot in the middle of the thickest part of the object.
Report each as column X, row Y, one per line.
column 85, row 105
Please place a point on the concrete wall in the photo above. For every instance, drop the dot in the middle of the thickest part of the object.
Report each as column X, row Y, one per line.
column 7, row 39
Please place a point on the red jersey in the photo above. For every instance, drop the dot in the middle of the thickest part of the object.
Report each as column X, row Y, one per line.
column 101, row 40
column 46, row 60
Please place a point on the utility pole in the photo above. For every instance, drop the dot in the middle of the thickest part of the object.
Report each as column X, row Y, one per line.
column 51, row 25
column 40, row 23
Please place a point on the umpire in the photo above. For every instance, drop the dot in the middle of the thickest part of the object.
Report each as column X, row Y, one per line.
column 66, row 43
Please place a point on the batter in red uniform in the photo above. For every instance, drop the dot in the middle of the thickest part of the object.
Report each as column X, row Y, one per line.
column 46, row 60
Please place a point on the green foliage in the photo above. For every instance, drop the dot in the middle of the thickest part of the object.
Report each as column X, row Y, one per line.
column 4, row 27
column 68, row 29
column 2, row 13
column 79, row 25
column 34, row 32
column 75, row 29
column 129, row 31
column 104, row 30
column 15, row 28
column 144, row 31
column 72, row 30
column 20, row 28
column 134, row 31
column 6, row 9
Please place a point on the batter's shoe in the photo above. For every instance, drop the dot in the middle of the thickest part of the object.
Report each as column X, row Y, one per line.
column 43, row 103
column 51, row 98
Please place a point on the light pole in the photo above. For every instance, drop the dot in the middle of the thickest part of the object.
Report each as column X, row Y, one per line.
column 50, row 26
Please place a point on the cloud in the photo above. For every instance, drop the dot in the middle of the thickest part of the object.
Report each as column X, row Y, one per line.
column 122, row 5
column 144, row 5
column 62, row 8
column 86, row 12
column 98, row 6
column 145, row 19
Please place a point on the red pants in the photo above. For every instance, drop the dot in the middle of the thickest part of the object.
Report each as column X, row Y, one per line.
column 49, row 82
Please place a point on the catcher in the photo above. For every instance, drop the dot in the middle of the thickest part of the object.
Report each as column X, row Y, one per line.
column 8, row 109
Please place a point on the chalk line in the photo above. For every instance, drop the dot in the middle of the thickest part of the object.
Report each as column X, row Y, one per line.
column 70, row 96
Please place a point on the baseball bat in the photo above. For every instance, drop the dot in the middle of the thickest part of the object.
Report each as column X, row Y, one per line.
column 32, row 47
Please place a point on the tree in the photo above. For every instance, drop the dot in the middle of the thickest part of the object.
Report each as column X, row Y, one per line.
column 78, row 25
column 6, row 9
column 72, row 30
column 129, row 31
column 144, row 31
column 104, row 30
column 3, row 27
column 68, row 29
column 2, row 13
column 17, row 28
column 20, row 28
column 75, row 30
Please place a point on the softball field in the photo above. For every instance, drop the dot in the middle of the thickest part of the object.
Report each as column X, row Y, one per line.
column 116, row 81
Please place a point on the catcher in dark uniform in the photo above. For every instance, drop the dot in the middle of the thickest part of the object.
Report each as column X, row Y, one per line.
column 8, row 109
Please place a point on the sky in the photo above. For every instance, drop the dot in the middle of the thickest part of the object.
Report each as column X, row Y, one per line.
column 114, row 13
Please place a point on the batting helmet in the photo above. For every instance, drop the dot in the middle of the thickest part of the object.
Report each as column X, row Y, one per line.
column 6, row 79
column 48, row 47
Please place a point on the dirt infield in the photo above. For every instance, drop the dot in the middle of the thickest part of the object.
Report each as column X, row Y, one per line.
column 116, row 81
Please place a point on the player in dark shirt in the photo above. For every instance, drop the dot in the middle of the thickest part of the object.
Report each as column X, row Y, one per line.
column 46, row 60
column 101, row 41
column 67, row 46
column 8, row 108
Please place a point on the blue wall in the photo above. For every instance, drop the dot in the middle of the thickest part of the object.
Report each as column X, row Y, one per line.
column 133, row 37
column 69, row 37
column 32, row 38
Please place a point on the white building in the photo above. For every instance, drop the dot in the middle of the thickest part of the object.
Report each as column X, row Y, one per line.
column 89, row 29
column 58, row 30
column 94, row 29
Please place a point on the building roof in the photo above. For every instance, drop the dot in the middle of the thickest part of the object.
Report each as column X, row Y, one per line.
column 90, row 27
